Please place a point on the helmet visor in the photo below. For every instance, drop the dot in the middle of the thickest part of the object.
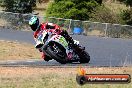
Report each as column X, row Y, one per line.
column 33, row 27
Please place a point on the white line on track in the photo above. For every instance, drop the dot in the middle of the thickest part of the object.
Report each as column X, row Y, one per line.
column 12, row 62
column 30, row 61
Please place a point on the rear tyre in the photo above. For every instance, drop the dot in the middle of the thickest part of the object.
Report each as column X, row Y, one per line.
column 84, row 57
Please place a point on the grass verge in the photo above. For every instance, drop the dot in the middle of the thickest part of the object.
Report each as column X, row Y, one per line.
column 17, row 51
column 26, row 77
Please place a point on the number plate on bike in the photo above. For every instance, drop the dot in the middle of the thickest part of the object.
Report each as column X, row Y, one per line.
column 61, row 40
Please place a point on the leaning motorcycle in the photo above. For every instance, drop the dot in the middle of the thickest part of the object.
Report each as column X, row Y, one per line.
column 56, row 47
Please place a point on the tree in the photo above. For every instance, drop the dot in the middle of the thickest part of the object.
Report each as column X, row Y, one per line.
column 1, row 3
column 127, row 2
column 73, row 9
column 127, row 14
column 19, row 6
column 42, row 1
column 9, row 4
column 104, row 15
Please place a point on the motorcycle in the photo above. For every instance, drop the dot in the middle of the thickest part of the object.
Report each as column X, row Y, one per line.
column 56, row 47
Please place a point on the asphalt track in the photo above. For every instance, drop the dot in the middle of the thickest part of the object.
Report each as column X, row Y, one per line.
column 103, row 51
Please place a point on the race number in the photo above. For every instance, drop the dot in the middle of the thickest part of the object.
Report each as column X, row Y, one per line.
column 63, row 41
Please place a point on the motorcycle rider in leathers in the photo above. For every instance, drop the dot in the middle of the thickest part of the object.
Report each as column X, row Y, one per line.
column 53, row 28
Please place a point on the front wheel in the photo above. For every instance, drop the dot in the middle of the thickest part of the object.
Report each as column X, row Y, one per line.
column 47, row 58
column 57, row 52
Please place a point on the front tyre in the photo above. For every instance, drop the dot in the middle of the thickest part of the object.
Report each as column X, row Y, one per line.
column 57, row 52
column 47, row 58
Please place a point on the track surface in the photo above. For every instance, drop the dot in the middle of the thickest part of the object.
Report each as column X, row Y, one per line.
column 103, row 51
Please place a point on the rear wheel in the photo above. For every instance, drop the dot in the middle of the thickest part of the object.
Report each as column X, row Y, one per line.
column 84, row 57
column 57, row 52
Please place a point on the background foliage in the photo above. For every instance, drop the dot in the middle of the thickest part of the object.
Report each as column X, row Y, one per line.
column 73, row 9
column 19, row 6
column 127, row 2
column 126, row 15
column 104, row 15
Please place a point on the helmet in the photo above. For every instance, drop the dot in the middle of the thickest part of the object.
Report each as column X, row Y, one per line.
column 34, row 23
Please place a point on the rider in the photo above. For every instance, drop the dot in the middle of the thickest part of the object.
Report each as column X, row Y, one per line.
column 54, row 28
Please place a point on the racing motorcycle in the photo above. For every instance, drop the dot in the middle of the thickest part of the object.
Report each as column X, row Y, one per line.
column 56, row 47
